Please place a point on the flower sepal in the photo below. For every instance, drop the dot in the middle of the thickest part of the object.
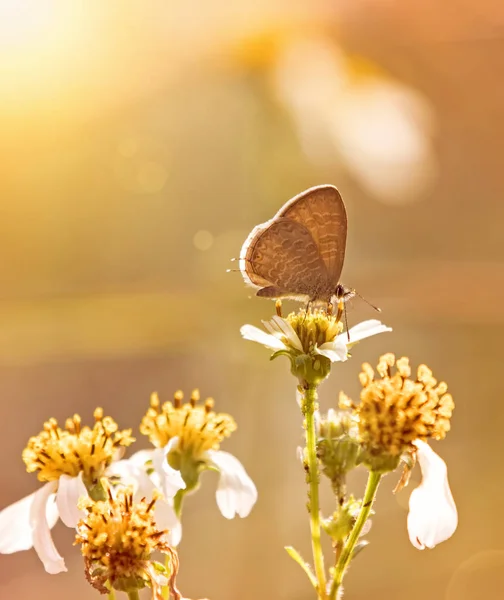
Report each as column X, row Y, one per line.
column 379, row 462
column 189, row 467
column 288, row 353
column 310, row 369
column 129, row 584
column 339, row 525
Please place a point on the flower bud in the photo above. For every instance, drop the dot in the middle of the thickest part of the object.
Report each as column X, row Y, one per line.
column 338, row 445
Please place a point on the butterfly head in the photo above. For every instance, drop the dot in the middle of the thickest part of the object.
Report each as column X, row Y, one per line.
column 342, row 293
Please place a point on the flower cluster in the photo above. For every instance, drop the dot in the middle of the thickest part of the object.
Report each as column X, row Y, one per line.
column 395, row 417
column 125, row 509
column 395, row 411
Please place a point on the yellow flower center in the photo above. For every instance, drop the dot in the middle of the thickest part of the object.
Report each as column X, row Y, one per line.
column 55, row 451
column 314, row 328
column 395, row 410
column 117, row 538
column 198, row 427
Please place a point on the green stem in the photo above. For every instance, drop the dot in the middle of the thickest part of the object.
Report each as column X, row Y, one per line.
column 166, row 589
column 177, row 503
column 133, row 595
column 346, row 554
column 111, row 595
column 308, row 406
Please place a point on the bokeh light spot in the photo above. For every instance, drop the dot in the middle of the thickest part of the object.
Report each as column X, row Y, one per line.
column 480, row 576
column 203, row 240
column 127, row 147
column 151, row 177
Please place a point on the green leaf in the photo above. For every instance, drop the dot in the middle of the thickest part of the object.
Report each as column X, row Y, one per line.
column 359, row 547
column 294, row 554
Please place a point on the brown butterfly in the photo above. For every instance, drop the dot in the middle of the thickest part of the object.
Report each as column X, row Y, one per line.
column 299, row 253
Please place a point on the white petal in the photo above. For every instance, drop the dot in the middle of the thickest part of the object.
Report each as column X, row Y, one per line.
column 167, row 519
column 172, row 480
column 336, row 350
column 125, row 473
column 432, row 517
column 15, row 528
column 141, row 457
column 286, row 328
column 331, row 415
column 70, row 489
column 175, row 535
column 254, row 334
column 271, row 327
column 236, row 492
column 42, row 540
column 140, row 472
column 364, row 330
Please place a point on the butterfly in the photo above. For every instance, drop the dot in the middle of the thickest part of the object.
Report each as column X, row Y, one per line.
column 299, row 253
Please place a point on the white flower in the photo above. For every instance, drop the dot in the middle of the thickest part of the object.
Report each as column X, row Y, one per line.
column 432, row 517
column 236, row 493
column 64, row 458
column 27, row 523
column 282, row 336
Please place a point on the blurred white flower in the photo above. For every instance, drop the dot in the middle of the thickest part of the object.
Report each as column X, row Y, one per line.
column 432, row 517
column 345, row 108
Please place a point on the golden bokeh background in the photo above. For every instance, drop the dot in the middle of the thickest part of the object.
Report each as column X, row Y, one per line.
column 141, row 141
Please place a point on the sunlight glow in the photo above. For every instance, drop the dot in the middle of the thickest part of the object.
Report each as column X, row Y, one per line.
column 25, row 22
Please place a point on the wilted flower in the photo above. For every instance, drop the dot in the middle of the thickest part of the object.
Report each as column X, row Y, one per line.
column 117, row 538
column 395, row 411
column 71, row 462
column 432, row 517
column 147, row 473
column 189, row 435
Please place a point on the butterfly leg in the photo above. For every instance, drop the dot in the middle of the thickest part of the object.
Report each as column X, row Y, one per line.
column 329, row 308
column 278, row 307
column 341, row 308
column 307, row 309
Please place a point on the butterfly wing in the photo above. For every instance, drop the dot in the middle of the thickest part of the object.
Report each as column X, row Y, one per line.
column 282, row 259
column 322, row 211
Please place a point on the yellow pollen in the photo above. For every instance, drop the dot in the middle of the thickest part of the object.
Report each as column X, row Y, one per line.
column 314, row 327
column 198, row 427
column 395, row 410
column 117, row 538
column 55, row 451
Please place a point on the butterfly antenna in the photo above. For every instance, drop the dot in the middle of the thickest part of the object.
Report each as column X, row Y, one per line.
column 346, row 322
column 367, row 301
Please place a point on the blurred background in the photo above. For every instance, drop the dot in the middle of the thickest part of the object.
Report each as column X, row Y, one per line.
column 141, row 142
